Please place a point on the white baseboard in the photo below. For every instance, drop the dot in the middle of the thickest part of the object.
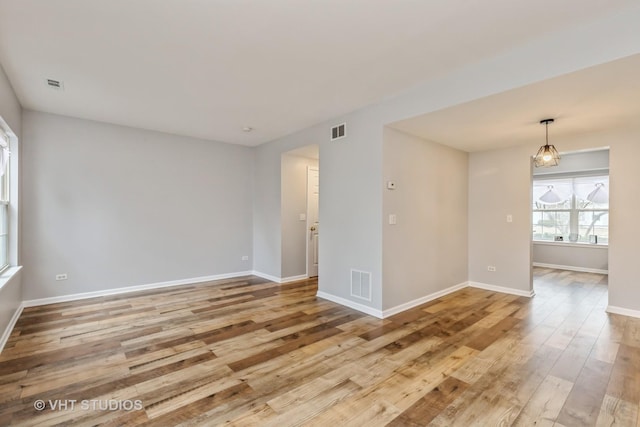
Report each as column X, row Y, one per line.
column 12, row 323
column 115, row 291
column 266, row 276
column 351, row 304
column 502, row 289
column 624, row 311
column 571, row 268
column 279, row 279
column 390, row 311
column 416, row 302
column 293, row 278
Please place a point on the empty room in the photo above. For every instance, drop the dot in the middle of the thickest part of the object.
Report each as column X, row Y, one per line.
column 319, row 213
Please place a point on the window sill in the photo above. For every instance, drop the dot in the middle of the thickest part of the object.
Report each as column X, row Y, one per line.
column 8, row 274
column 573, row 245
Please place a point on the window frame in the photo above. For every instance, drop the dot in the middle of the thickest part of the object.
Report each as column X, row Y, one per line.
column 5, row 201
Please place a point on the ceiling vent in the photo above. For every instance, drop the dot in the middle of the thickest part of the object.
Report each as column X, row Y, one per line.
column 55, row 84
column 338, row 131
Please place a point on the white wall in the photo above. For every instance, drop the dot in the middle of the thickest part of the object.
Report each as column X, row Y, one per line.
column 294, row 203
column 500, row 183
column 113, row 206
column 426, row 251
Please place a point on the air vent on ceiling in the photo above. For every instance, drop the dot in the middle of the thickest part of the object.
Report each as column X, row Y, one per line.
column 55, row 84
column 338, row 131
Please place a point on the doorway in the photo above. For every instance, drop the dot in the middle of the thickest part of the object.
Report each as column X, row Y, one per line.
column 570, row 214
column 313, row 224
column 300, row 201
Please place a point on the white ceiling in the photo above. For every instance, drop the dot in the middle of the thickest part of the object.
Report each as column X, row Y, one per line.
column 589, row 100
column 208, row 68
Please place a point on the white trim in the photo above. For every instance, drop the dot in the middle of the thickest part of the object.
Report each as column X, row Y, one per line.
column 416, row 302
column 293, row 278
column 115, row 291
column 266, row 276
column 623, row 311
column 570, row 268
column 7, row 275
column 572, row 245
column 351, row 304
column 12, row 323
column 279, row 279
column 502, row 289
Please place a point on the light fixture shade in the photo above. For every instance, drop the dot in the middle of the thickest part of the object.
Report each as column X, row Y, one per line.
column 550, row 197
column 599, row 195
column 547, row 156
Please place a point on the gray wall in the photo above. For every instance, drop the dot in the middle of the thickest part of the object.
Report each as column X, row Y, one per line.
column 500, row 183
column 10, row 109
column 350, row 203
column 577, row 162
column 10, row 299
column 294, row 202
column 352, row 180
column 426, row 251
column 580, row 256
column 113, row 206
column 11, row 289
column 624, row 203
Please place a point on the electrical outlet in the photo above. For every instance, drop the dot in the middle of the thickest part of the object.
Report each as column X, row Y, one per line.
column 491, row 268
column 245, row 258
column 62, row 276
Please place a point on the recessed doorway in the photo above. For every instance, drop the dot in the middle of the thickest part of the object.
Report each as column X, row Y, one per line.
column 300, row 199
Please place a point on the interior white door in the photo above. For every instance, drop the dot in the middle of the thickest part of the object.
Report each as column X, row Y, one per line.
column 313, row 195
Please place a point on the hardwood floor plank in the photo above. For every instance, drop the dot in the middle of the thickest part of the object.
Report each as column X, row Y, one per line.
column 247, row 351
column 582, row 406
column 617, row 412
column 545, row 404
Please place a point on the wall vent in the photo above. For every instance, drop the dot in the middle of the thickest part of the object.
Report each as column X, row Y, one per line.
column 361, row 284
column 55, row 84
column 338, row 131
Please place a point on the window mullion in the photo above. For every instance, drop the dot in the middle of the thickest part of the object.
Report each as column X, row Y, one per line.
column 574, row 218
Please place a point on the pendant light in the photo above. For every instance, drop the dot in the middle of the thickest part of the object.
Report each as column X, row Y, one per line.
column 550, row 197
column 599, row 195
column 547, row 154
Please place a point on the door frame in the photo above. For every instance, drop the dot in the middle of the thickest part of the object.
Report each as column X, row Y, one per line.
column 309, row 223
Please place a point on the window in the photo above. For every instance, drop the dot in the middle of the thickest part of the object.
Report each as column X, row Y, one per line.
column 572, row 209
column 4, row 201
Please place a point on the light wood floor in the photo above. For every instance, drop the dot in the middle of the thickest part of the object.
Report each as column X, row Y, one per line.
column 250, row 352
